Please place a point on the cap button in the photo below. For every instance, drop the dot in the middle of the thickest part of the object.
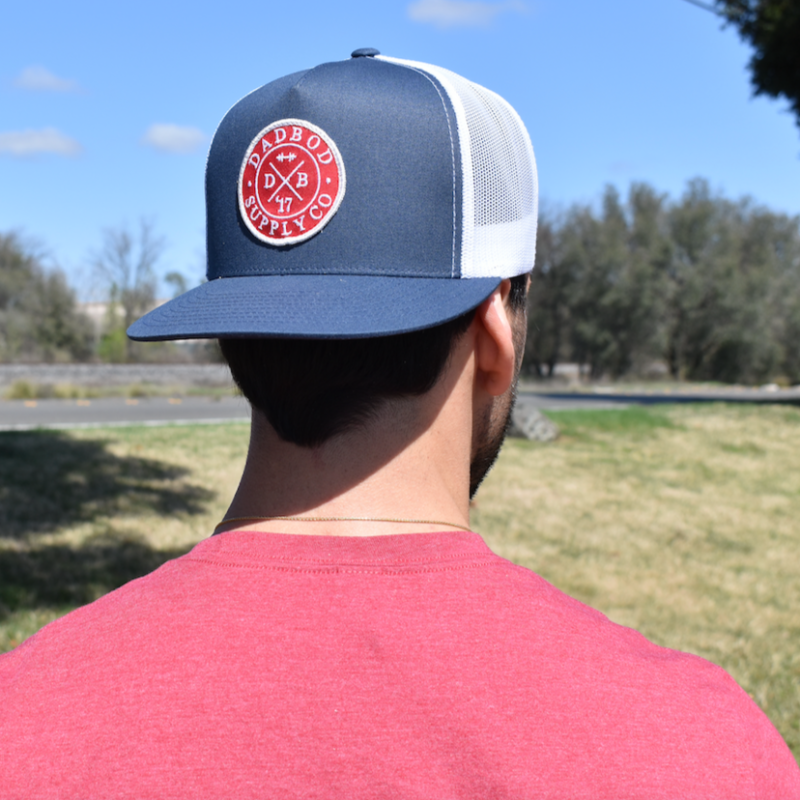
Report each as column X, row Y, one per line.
column 364, row 52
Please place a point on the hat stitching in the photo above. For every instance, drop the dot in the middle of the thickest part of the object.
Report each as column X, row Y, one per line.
column 452, row 155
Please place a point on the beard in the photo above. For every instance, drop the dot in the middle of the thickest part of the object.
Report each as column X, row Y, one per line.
column 490, row 433
column 492, row 426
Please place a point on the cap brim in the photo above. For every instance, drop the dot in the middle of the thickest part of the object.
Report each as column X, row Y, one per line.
column 311, row 306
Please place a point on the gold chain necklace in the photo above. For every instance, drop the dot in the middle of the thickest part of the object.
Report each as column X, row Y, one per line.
column 340, row 519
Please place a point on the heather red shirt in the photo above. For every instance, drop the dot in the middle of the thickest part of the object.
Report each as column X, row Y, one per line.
column 417, row 666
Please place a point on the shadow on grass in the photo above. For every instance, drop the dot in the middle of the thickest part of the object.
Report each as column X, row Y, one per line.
column 49, row 480
column 57, row 576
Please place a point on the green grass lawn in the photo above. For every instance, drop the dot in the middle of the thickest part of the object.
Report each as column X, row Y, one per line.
column 680, row 521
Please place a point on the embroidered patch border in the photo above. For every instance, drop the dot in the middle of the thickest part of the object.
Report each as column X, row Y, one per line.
column 291, row 182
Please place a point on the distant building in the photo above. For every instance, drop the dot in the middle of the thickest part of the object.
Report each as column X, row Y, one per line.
column 98, row 313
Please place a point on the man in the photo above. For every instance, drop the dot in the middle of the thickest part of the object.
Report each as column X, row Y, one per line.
column 371, row 226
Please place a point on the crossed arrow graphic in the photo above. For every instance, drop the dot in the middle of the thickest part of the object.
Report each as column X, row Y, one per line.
column 285, row 181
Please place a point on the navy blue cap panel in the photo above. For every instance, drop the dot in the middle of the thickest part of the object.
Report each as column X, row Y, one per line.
column 225, row 158
column 401, row 211
column 307, row 306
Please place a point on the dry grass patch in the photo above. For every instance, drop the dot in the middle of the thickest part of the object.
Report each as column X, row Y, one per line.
column 84, row 511
column 680, row 522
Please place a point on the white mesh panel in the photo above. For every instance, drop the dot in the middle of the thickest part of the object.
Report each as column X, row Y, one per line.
column 500, row 192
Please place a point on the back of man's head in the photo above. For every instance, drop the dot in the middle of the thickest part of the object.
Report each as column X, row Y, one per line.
column 358, row 213
column 311, row 390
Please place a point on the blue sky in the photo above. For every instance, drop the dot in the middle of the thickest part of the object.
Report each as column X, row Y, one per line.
column 106, row 109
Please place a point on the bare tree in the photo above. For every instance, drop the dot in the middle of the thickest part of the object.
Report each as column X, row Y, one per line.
column 126, row 264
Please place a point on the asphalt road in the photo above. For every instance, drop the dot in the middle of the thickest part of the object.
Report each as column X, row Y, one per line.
column 119, row 411
column 620, row 399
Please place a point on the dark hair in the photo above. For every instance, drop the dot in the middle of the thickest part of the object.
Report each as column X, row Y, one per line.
column 313, row 389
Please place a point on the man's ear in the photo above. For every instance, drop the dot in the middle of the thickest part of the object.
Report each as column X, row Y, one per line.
column 494, row 343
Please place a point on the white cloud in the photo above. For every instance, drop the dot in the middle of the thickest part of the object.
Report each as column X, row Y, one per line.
column 39, row 79
column 31, row 143
column 467, row 13
column 171, row 138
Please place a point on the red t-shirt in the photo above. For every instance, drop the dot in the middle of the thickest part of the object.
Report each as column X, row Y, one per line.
column 416, row 666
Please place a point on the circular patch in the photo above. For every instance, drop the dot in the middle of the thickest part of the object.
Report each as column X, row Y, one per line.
column 291, row 182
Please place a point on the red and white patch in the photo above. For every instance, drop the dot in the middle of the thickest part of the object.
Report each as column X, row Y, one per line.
column 291, row 182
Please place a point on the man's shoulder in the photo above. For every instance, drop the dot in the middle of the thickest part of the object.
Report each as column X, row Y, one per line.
column 582, row 635
column 90, row 627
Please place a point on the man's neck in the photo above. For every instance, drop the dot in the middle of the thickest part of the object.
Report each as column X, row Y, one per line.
column 411, row 462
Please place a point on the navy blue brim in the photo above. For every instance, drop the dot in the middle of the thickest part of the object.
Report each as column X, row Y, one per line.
column 311, row 306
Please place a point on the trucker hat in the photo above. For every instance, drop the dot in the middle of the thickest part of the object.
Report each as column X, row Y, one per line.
column 365, row 197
